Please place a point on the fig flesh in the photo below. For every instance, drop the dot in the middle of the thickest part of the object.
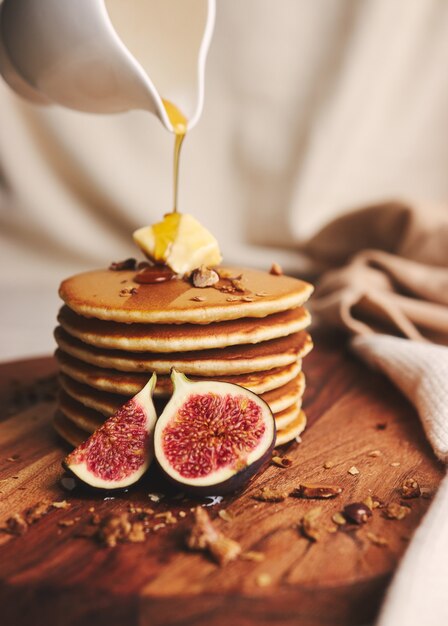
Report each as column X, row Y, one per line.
column 212, row 436
column 121, row 450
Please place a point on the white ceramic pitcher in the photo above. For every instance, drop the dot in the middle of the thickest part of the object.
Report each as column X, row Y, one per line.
column 106, row 56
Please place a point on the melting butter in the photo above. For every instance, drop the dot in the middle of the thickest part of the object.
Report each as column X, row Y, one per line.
column 179, row 123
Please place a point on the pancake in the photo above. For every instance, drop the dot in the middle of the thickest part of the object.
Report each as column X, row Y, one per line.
column 285, row 396
column 107, row 403
column 84, row 418
column 184, row 337
column 105, row 294
column 128, row 384
column 293, row 430
column 233, row 360
column 285, row 418
column 68, row 431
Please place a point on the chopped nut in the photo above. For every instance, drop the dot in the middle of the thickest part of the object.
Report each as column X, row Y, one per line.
column 264, row 580
column 339, row 519
column 167, row 516
column 113, row 529
column 309, row 526
column 353, row 470
column 198, row 299
column 309, row 490
column 374, row 453
column 62, row 504
column 369, row 502
column 136, row 533
column 232, row 299
column 237, row 285
column 357, row 512
column 224, row 550
column 396, row 511
column 37, row 511
column 155, row 497
column 204, row 536
column 262, row 294
column 266, row 494
column 276, row 270
column 204, row 277
column 377, row 540
column 182, row 514
column 66, row 522
column 328, row 465
column 159, row 526
column 281, row 461
column 127, row 264
column 226, row 515
column 410, row 489
column 247, row 299
column 251, row 555
column 395, row 464
column 16, row 525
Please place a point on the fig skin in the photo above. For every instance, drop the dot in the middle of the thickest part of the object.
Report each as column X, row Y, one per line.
column 183, row 388
column 95, row 464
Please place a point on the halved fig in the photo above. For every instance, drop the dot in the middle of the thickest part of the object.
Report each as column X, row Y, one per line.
column 121, row 450
column 212, row 436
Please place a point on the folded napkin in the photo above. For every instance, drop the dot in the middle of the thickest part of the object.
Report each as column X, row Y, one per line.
column 385, row 280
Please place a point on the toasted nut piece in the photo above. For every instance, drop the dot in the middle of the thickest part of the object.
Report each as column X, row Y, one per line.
column 226, row 515
column 410, row 489
column 309, row 526
column 264, row 580
column 127, row 264
column 276, row 270
column 266, row 494
column 204, row 277
column 224, row 550
column 374, row 453
column 396, row 511
column 37, row 511
column 353, row 470
column 252, row 555
column 16, row 525
column 309, row 490
column 339, row 519
column 328, row 464
column 357, row 512
column 281, row 461
column 204, row 536
column 377, row 540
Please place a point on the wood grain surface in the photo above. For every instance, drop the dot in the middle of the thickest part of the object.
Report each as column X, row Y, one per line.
column 51, row 576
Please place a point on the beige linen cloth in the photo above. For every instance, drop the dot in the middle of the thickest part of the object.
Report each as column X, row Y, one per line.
column 391, row 277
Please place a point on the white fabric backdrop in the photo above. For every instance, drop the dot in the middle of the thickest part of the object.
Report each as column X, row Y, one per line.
column 312, row 108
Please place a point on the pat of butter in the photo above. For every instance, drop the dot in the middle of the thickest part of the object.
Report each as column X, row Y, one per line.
column 180, row 242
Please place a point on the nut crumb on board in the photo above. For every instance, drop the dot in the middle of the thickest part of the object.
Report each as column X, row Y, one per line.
column 316, row 491
column 203, row 536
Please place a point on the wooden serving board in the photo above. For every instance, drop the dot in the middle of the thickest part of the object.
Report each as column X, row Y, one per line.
column 49, row 576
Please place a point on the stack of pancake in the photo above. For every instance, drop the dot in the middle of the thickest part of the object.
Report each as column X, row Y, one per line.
column 114, row 332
